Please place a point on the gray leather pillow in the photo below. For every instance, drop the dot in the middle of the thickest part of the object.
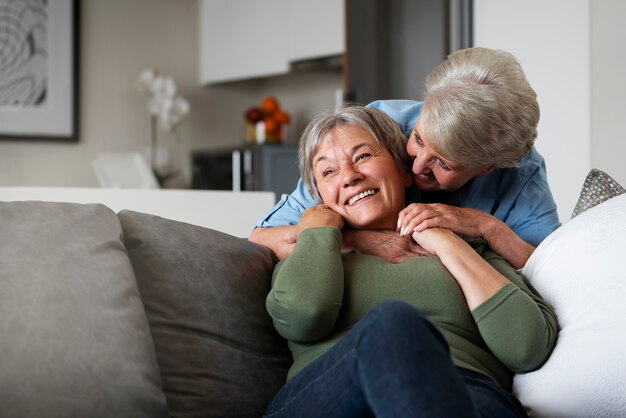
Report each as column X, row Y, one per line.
column 204, row 293
column 74, row 339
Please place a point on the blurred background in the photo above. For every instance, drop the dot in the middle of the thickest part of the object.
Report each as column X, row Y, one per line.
column 227, row 56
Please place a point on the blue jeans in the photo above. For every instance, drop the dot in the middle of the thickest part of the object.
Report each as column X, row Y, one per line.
column 392, row 363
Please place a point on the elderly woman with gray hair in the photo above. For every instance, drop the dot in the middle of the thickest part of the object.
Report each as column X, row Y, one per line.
column 475, row 169
column 433, row 336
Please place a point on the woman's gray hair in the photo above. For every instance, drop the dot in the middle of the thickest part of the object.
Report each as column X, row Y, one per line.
column 479, row 109
column 383, row 129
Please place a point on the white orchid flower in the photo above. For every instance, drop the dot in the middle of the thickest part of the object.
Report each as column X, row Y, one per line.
column 163, row 103
column 145, row 79
column 180, row 108
column 163, row 86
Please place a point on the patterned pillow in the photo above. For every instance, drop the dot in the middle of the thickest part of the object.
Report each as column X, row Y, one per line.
column 597, row 188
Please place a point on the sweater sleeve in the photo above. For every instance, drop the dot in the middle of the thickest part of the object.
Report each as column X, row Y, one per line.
column 518, row 326
column 307, row 287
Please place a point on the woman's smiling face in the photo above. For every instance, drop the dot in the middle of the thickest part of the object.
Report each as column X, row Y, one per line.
column 431, row 171
column 359, row 179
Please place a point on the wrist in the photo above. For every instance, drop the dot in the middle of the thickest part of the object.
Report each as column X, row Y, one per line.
column 452, row 246
column 491, row 229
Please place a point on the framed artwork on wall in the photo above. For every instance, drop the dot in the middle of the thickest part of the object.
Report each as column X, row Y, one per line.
column 39, row 70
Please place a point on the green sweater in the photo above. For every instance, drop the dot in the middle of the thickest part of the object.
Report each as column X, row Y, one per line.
column 318, row 294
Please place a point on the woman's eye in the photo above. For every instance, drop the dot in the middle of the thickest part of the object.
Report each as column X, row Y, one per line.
column 418, row 140
column 443, row 165
column 327, row 173
column 361, row 157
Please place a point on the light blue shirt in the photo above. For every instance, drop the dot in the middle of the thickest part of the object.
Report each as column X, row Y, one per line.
column 518, row 196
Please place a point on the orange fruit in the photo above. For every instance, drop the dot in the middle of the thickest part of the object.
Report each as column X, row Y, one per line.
column 281, row 117
column 271, row 126
column 269, row 105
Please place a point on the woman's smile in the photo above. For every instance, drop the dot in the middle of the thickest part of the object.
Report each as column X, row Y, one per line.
column 360, row 196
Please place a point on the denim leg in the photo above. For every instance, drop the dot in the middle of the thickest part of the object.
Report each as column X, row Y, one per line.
column 489, row 399
column 392, row 363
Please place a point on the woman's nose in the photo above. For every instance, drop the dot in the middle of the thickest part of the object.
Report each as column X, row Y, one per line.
column 420, row 164
column 350, row 175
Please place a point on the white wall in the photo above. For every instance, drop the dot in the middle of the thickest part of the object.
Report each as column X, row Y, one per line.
column 552, row 40
column 608, row 93
column 119, row 39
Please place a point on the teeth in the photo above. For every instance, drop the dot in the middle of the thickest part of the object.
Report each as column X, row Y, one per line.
column 360, row 196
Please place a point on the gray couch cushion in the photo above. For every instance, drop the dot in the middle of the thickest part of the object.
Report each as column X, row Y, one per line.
column 204, row 293
column 74, row 339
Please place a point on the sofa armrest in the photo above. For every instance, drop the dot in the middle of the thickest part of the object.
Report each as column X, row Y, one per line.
column 234, row 213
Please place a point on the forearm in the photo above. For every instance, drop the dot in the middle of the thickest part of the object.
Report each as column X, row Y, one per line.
column 468, row 222
column 517, row 325
column 477, row 279
column 386, row 244
column 280, row 239
column 507, row 243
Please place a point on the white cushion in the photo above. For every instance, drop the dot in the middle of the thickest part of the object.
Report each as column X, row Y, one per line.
column 581, row 270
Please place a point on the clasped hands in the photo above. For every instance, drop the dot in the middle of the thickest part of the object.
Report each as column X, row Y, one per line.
column 422, row 229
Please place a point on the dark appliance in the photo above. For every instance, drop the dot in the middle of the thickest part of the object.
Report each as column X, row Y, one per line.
column 265, row 167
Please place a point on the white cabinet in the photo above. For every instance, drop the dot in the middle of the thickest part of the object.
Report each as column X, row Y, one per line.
column 242, row 39
column 316, row 29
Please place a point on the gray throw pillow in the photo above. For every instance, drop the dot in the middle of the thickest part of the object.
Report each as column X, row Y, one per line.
column 74, row 338
column 597, row 188
column 204, row 294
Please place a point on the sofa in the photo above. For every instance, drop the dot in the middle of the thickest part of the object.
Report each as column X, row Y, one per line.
column 108, row 311
column 118, row 313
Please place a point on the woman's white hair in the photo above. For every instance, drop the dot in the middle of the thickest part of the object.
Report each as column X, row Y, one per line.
column 479, row 109
column 380, row 126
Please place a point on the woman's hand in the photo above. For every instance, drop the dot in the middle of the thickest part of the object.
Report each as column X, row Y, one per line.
column 282, row 239
column 474, row 223
column 421, row 216
column 433, row 240
column 320, row 215
column 279, row 239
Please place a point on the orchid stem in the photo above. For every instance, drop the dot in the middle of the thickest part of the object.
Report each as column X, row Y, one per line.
column 153, row 145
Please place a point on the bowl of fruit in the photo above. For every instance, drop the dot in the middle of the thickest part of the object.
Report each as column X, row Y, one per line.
column 266, row 122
